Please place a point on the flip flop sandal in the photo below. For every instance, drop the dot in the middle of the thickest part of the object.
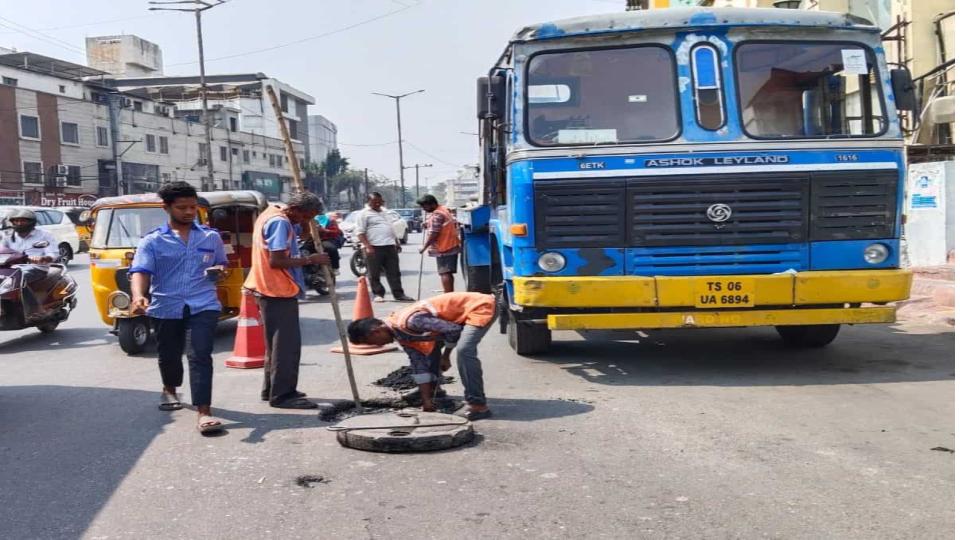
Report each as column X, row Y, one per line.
column 208, row 424
column 170, row 402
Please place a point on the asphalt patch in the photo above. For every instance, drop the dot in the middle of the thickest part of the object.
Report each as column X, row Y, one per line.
column 337, row 411
column 308, row 480
column 402, row 379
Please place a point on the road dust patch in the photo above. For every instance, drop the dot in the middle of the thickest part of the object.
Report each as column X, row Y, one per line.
column 309, row 480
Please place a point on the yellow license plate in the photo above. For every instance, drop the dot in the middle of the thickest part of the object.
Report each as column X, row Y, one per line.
column 725, row 292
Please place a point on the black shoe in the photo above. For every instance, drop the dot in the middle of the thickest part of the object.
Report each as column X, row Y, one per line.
column 265, row 396
column 404, row 298
column 295, row 403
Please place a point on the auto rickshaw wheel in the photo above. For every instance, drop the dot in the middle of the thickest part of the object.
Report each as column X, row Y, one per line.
column 133, row 334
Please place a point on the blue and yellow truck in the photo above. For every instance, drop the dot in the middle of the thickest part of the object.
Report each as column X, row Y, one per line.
column 691, row 168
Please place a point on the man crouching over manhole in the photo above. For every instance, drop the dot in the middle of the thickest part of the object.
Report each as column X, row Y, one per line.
column 460, row 319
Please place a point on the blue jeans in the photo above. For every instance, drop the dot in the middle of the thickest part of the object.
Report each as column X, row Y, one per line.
column 468, row 363
column 195, row 331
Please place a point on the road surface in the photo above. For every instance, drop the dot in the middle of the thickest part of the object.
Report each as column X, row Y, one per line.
column 680, row 434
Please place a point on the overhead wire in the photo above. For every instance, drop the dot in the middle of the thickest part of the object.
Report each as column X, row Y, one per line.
column 26, row 30
column 303, row 40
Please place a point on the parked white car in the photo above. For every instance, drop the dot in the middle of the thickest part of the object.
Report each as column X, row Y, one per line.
column 399, row 225
column 54, row 222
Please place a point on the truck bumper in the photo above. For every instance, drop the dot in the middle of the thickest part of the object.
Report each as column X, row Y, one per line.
column 668, row 302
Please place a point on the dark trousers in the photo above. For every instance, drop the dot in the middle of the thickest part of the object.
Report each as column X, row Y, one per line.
column 281, row 328
column 331, row 249
column 194, row 332
column 384, row 259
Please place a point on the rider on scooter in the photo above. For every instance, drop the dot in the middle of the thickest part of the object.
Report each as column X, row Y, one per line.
column 24, row 236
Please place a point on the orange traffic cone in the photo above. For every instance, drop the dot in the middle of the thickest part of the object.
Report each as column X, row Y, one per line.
column 248, row 348
column 362, row 309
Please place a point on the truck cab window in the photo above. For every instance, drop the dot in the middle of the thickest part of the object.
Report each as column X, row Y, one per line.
column 601, row 96
column 809, row 90
column 706, row 84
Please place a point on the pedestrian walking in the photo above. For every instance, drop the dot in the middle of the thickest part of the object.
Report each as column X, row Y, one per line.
column 276, row 279
column 382, row 249
column 443, row 239
column 459, row 320
column 179, row 264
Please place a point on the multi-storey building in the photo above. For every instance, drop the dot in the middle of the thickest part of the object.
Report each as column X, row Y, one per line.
column 68, row 136
column 323, row 137
column 465, row 187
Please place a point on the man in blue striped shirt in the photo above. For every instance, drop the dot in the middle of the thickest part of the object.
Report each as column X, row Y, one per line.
column 180, row 263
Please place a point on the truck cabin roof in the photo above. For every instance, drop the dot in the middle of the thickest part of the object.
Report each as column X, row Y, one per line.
column 690, row 18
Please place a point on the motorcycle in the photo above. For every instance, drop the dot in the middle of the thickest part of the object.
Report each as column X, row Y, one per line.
column 313, row 274
column 358, row 261
column 34, row 295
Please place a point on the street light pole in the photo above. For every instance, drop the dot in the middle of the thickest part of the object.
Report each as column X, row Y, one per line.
column 416, row 167
column 201, row 7
column 396, row 99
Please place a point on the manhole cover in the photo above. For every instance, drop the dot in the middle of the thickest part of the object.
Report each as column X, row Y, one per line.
column 404, row 431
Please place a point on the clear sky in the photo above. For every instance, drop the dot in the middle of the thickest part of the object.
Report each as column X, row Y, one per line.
column 361, row 46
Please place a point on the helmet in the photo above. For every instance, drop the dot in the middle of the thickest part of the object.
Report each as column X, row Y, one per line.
column 22, row 213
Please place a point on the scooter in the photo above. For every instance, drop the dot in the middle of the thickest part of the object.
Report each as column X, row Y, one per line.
column 34, row 295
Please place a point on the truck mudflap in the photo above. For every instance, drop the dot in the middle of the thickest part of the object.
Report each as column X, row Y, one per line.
column 722, row 319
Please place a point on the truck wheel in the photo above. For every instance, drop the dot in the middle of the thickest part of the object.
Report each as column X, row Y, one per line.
column 808, row 336
column 527, row 338
column 133, row 334
column 358, row 263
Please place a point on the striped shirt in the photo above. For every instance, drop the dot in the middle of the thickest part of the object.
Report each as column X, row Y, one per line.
column 177, row 270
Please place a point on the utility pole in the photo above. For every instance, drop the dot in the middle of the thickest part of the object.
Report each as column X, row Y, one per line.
column 366, row 185
column 416, row 167
column 396, row 99
column 201, row 7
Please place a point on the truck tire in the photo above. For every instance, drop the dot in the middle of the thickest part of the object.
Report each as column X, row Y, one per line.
column 808, row 336
column 527, row 338
column 133, row 334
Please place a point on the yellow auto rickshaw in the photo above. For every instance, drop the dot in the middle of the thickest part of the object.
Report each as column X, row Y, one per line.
column 120, row 222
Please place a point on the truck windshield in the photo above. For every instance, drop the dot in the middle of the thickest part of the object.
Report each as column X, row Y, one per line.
column 808, row 90
column 124, row 227
column 601, row 96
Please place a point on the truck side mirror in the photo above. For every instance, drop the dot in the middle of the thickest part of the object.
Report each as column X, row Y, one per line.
column 491, row 97
column 904, row 91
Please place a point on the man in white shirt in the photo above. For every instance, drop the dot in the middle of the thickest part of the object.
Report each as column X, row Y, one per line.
column 382, row 248
column 25, row 237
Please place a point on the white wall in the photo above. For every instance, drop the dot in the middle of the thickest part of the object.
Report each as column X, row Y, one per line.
column 930, row 213
column 44, row 83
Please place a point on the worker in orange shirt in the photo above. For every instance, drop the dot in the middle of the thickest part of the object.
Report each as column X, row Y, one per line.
column 443, row 239
column 460, row 320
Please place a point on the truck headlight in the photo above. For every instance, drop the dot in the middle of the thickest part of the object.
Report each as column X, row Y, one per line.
column 551, row 262
column 876, row 253
column 119, row 300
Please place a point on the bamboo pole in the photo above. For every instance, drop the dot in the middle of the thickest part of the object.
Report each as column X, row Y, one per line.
column 315, row 234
